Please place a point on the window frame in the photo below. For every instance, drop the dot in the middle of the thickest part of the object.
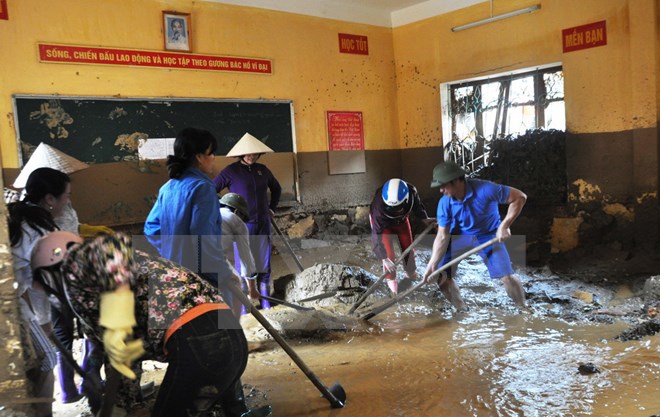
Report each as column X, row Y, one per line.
column 447, row 88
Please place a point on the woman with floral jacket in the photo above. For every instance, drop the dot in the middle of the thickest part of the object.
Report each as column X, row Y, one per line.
column 142, row 307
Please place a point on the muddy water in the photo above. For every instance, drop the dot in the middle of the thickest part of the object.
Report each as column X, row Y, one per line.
column 481, row 363
column 420, row 358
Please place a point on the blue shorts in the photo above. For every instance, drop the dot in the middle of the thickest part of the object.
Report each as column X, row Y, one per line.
column 495, row 257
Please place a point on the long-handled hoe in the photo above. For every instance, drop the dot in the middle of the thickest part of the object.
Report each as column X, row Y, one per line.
column 335, row 394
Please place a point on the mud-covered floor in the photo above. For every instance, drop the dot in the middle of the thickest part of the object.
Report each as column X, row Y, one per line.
column 583, row 348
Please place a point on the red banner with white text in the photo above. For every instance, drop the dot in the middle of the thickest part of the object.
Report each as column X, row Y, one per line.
column 73, row 54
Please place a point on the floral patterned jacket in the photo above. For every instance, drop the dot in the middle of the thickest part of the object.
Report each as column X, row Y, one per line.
column 163, row 290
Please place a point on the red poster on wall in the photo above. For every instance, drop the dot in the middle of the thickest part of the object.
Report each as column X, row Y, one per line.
column 4, row 14
column 353, row 44
column 345, row 131
column 585, row 36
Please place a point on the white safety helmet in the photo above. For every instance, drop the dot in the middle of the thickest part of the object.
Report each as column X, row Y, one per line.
column 395, row 192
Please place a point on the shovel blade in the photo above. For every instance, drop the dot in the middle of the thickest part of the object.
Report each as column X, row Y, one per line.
column 338, row 392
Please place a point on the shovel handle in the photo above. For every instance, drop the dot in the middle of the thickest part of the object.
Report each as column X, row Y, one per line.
column 373, row 287
column 453, row 262
column 334, row 401
column 286, row 243
column 285, row 303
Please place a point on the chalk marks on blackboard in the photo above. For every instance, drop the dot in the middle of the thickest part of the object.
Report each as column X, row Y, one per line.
column 52, row 115
column 117, row 112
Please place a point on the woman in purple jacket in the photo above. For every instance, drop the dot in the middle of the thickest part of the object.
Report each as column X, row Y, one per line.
column 252, row 181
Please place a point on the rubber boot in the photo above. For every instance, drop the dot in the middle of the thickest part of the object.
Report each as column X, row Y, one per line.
column 233, row 404
column 65, row 376
column 264, row 289
column 232, row 401
column 394, row 286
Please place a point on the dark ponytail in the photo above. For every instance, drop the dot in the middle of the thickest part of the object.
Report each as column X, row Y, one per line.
column 188, row 143
column 40, row 183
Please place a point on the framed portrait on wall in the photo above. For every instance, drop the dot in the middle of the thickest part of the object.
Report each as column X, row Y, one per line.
column 176, row 31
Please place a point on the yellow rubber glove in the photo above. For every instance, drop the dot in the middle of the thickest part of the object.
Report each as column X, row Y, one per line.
column 117, row 315
column 87, row 230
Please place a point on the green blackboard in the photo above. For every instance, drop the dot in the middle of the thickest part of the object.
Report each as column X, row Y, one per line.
column 107, row 129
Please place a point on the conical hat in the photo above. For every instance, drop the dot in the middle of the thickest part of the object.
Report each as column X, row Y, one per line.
column 48, row 157
column 247, row 145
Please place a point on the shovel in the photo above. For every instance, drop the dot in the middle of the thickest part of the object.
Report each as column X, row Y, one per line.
column 285, row 303
column 453, row 262
column 329, row 294
column 373, row 287
column 335, row 394
column 286, row 243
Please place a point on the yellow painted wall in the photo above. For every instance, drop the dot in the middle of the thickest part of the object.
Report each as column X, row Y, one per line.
column 307, row 67
column 607, row 89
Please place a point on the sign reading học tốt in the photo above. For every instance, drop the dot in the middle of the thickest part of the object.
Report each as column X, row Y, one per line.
column 585, row 36
column 353, row 44
column 73, row 54
column 345, row 131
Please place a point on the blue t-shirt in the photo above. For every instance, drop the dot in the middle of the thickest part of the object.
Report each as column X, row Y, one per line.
column 478, row 213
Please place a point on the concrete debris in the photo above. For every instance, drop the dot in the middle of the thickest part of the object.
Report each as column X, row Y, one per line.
column 303, row 228
column 323, row 278
column 647, row 328
column 652, row 288
column 361, row 216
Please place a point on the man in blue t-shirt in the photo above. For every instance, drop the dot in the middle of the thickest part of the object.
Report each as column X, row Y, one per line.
column 468, row 216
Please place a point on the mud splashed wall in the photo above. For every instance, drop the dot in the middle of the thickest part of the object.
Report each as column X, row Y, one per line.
column 611, row 96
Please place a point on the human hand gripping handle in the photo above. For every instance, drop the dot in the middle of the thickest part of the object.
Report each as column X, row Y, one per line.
column 388, row 265
column 117, row 315
column 253, row 291
column 503, row 233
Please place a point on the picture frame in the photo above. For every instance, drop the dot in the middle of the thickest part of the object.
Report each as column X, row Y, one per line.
column 176, row 31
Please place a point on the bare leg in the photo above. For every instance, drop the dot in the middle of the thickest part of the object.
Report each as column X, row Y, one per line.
column 514, row 289
column 450, row 291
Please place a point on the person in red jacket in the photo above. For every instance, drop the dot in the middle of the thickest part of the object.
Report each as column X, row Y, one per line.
column 389, row 216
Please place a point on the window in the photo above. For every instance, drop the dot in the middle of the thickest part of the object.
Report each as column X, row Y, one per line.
column 478, row 111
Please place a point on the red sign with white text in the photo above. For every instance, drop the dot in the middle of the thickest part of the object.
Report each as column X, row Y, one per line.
column 585, row 36
column 345, row 131
column 114, row 56
column 353, row 44
column 4, row 14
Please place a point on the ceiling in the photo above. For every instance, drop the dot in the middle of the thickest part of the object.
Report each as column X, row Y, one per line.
column 388, row 13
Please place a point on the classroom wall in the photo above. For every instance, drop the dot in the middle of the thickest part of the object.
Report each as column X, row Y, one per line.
column 611, row 96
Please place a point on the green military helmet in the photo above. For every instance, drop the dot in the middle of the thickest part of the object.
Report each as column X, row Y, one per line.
column 237, row 202
column 446, row 172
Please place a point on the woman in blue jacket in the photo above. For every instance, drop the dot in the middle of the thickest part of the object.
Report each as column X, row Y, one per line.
column 185, row 224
